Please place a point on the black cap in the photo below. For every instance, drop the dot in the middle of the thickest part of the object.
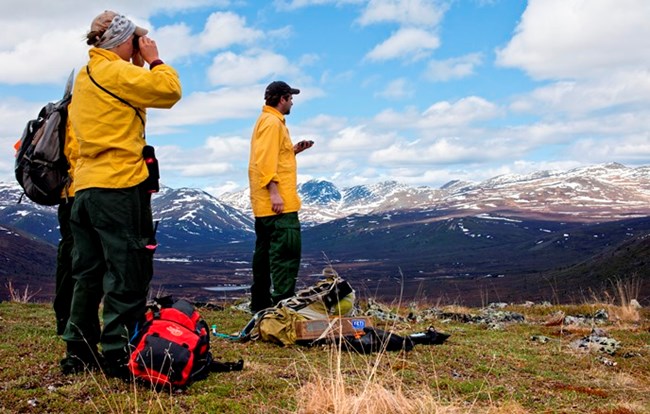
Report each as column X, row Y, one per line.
column 279, row 88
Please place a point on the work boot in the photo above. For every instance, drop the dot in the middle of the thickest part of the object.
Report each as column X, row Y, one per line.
column 80, row 356
column 115, row 365
column 429, row 337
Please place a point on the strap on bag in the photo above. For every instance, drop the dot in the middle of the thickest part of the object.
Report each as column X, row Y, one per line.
column 124, row 101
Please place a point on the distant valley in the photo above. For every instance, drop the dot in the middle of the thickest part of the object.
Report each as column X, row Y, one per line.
column 552, row 236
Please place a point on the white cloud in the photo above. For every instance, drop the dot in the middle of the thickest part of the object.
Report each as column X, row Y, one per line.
column 454, row 68
column 633, row 149
column 405, row 43
column 462, row 112
column 35, row 32
column 297, row 4
column 319, row 125
column 442, row 116
column 208, row 107
column 231, row 69
column 202, row 108
column 358, row 138
column 616, row 91
column 405, row 12
column 397, row 89
column 175, row 41
column 217, row 155
column 224, row 29
column 221, row 31
column 217, row 190
column 12, row 109
column 227, row 147
column 444, row 151
column 25, row 63
column 558, row 39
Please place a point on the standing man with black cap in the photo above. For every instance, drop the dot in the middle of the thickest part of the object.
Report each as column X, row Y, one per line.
column 272, row 175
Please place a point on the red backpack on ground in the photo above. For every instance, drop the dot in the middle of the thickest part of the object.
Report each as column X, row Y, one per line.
column 171, row 348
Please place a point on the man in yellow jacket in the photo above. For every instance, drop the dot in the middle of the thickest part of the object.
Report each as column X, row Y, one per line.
column 111, row 218
column 272, row 175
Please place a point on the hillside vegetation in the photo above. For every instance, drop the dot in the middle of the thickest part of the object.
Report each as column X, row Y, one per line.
column 493, row 362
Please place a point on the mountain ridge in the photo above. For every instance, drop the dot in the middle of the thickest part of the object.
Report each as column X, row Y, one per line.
column 601, row 192
column 513, row 231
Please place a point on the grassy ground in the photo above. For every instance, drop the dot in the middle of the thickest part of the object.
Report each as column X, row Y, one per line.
column 478, row 370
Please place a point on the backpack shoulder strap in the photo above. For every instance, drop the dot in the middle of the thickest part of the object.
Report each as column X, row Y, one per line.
column 124, row 101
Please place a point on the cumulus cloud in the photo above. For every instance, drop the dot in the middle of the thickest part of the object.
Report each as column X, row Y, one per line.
column 405, row 12
column 618, row 90
column 417, row 35
column 224, row 29
column 229, row 68
column 221, row 31
column 559, row 39
column 212, row 106
column 12, row 109
column 462, row 112
column 221, row 188
column 202, row 108
column 591, row 59
column 217, row 155
column 358, row 138
column 408, row 42
column 397, row 89
column 442, row 116
column 444, row 151
column 297, row 4
column 34, row 40
column 632, row 149
column 454, row 68
column 25, row 62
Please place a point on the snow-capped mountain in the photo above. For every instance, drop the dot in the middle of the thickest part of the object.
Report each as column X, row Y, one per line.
column 602, row 192
column 186, row 217
column 511, row 228
column 194, row 217
column 39, row 221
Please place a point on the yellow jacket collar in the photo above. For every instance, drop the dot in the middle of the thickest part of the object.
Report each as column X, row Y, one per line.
column 271, row 110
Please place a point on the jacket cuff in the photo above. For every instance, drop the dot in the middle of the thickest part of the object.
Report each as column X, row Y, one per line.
column 155, row 63
column 265, row 181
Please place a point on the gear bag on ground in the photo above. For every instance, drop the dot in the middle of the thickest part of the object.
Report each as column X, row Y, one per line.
column 172, row 346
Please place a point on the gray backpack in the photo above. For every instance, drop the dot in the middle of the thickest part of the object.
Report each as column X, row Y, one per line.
column 41, row 167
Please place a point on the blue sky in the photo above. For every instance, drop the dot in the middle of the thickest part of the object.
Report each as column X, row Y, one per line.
column 418, row 91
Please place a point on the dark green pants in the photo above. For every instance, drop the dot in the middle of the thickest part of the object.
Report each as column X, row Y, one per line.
column 276, row 260
column 64, row 280
column 112, row 229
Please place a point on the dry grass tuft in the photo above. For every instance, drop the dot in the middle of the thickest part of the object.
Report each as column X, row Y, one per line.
column 624, row 314
column 324, row 397
column 15, row 295
column 458, row 309
column 621, row 302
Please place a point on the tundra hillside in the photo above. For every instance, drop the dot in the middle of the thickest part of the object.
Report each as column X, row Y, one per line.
column 528, row 358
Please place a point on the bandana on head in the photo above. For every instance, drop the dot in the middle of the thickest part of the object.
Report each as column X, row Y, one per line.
column 117, row 33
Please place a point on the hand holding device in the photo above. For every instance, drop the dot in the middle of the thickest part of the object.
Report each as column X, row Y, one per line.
column 302, row 145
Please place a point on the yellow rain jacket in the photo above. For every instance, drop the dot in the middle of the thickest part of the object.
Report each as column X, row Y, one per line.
column 109, row 134
column 272, row 159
